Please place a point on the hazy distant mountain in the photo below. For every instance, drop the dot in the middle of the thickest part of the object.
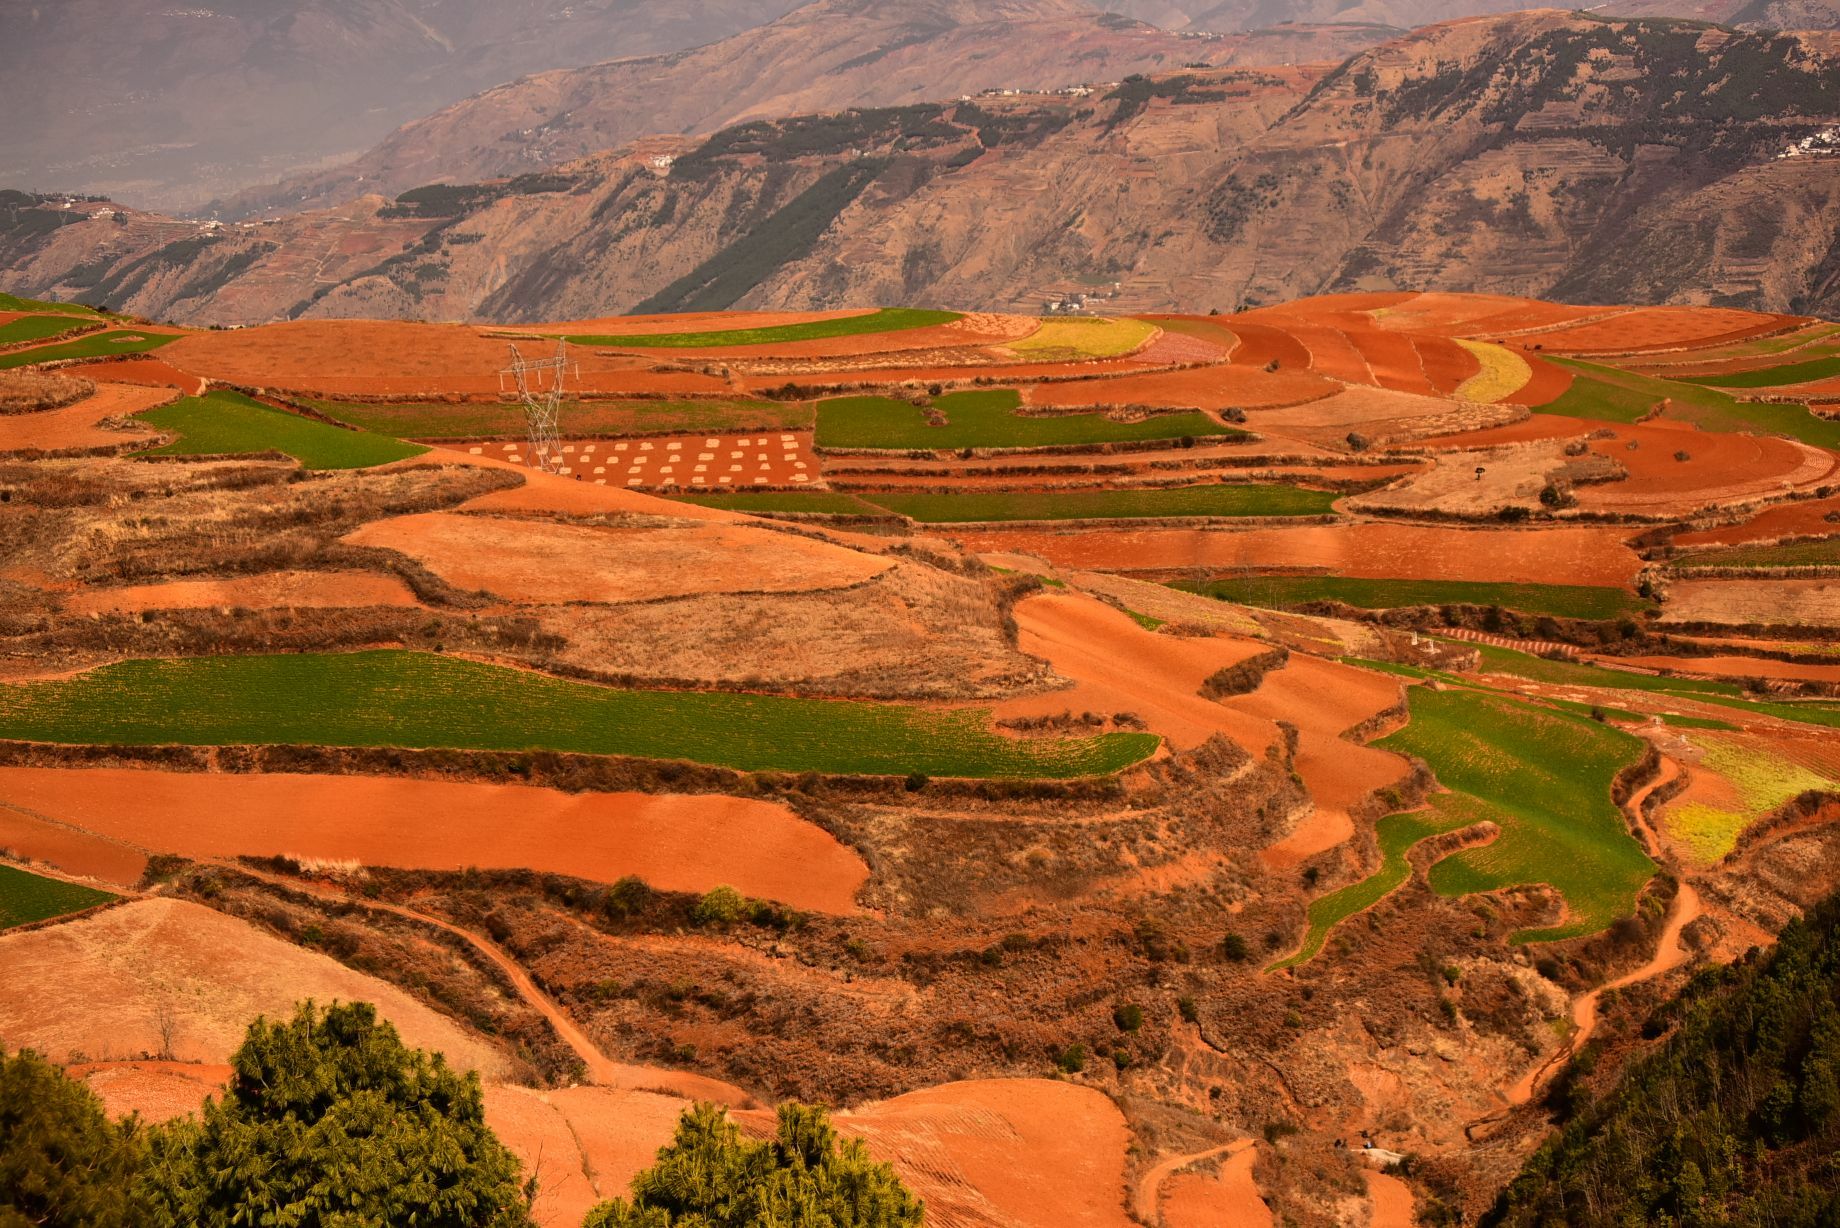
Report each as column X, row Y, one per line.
column 1543, row 153
column 170, row 102
column 826, row 56
column 1232, row 15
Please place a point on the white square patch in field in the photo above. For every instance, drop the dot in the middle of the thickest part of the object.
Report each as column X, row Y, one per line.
column 600, row 481
column 734, row 468
column 645, row 447
column 725, row 478
column 476, row 451
column 698, row 481
column 600, row 469
column 587, row 447
column 760, row 481
column 705, row 456
column 799, row 477
column 712, row 443
column 700, row 469
column 672, row 447
column 636, row 482
column 619, row 447
column 788, row 439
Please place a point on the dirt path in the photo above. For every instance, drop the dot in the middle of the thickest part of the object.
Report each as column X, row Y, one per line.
column 1389, row 1201
column 1144, row 1199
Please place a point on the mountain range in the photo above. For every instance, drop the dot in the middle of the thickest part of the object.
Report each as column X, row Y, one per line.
column 1542, row 153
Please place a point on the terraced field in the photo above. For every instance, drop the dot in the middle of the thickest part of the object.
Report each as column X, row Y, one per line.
column 815, row 502
column 1803, row 372
column 95, row 345
column 37, row 328
column 1821, row 553
column 230, row 424
column 1755, row 778
column 1560, row 600
column 25, row 897
column 10, row 302
column 888, row 320
column 1503, row 373
column 1545, row 778
column 410, row 699
column 988, row 419
column 1220, row 500
column 580, row 419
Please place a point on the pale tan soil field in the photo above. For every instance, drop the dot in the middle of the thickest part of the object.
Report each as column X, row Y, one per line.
column 79, row 425
column 1382, row 415
column 1789, row 603
column 104, row 981
column 1582, row 555
column 542, row 563
column 275, row 589
column 679, row 462
column 673, row 842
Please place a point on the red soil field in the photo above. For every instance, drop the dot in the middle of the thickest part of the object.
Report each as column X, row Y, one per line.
column 772, row 458
column 1549, row 382
column 1218, row 387
column 1390, row 1203
column 549, row 493
column 150, row 372
column 1324, row 699
column 1732, row 667
column 101, row 982
column 1465, row 315
column 1529, row 429
column 1593, row 554
column 1647, row 329
column 277, row 589
column 1331, row 352
column 70, row 850
column 1260, row 343
column 688, row 322
column 978, row 329
column 544, row 563
column 1808, row 518
column 1118, row 666
column 674, row 842
column 1720, row 467
column 397, row 358
column 75, row 426
column 1445, row 364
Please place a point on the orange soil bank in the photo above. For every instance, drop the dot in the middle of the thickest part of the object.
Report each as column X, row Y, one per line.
column 1217, row 387
column 150, row 372
column 270, row 590
column 538, row 562
column 684, row 462
column 1804, row 519
column 673, row 842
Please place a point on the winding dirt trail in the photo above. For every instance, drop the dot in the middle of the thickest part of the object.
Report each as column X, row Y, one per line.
column 1144, row 1198
column 1389, row 1201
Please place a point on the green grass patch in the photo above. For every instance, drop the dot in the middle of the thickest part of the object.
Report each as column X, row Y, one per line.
column 1623, row 396
column 987, row 418
column 1824, row 552
column 1544, row 777
column 9, row 302
column 1212, row 500
column 1560, row 600
column 578, row 419
column 818, row 502
column 1396, row 834
column 887, row 320
column 412, row 699
column 37, row 328
column 1773, row 377
column 230, row 424
column 95, row 345
column 25, row 898
column 1571, row 673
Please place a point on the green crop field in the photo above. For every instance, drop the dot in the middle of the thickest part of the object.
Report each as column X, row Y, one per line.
column 1212, row 500
column 230, row 424
column 1803, row 372
column 95, row 345
column 817, row 502
column 37, row 328
column 577, row 419
column 988, row 419
column 1560, row 600
column 888, row 320
column 1623, row 396
column 1571, row 673
column 1824, row 552
column 1396, row 834
column 10, row 302
column 1767, row 345
column 410, row 699
column 25, row 898
column 1761, row 781
column 1545, row 778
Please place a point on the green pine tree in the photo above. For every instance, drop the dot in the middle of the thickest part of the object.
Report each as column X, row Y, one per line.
column 63, row 1163
column 711, row 1177
column 331, row 1122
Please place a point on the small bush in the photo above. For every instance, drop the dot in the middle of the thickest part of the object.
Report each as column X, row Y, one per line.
column 1128, row 1016
column 1191, row 1012
column 1235, row 948
column 720, row 906
column 1072, row 1059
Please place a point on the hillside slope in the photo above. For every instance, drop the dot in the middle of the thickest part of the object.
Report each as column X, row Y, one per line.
column 1734, row 1121
column 165, row 105
column 1546, row 154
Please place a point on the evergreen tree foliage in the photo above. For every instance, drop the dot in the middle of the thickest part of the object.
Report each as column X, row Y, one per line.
column 711, row 1177
column 1735, row 1120
column 330, row 1122
column 63, row 1163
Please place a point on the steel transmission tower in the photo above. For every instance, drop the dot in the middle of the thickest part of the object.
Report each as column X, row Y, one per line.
column 539, row 387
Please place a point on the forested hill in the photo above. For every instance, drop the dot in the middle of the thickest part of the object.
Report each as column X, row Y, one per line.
column 1735, row 1121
